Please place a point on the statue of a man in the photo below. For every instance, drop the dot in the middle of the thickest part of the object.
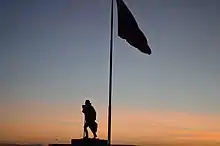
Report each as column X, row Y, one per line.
column 90, row 119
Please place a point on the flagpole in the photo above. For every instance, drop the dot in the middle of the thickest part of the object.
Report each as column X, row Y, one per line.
column 110, row 78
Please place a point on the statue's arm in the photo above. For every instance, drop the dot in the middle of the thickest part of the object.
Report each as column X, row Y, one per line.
column 83, row 109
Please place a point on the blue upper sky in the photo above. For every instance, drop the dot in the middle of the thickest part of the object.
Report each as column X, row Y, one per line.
column 58, row 52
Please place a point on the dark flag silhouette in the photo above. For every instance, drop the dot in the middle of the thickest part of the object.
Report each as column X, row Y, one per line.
column 128, row 29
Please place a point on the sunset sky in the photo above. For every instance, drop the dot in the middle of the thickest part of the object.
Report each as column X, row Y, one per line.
column 54, row 55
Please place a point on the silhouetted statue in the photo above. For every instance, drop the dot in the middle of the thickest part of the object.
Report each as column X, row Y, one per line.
column 90, row 118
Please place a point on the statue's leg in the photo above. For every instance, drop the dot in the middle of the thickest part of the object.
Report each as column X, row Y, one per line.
column 85, row 130
column 93, row 127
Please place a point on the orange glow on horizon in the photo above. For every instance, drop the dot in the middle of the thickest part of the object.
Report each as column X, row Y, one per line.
column 133, row 126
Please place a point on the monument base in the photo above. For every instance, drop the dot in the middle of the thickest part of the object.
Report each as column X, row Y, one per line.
column 84, row 142
column 88, row 142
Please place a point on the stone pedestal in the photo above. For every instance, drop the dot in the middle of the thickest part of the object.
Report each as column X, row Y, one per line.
column 88, row 142
column 84, row 142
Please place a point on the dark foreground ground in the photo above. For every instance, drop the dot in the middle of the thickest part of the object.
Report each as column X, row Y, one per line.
column 80, row 142
column 76, row 142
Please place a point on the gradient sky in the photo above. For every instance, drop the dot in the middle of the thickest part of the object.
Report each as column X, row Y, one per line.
column 55, row 54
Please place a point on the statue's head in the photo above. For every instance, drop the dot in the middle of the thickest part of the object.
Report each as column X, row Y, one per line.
column 87, row 102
